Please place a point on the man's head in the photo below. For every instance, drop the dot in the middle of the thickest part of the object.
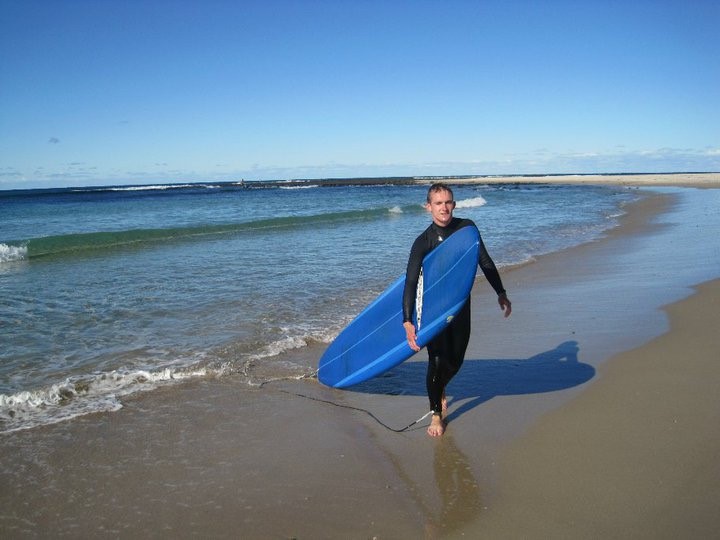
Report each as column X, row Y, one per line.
column 440, row 204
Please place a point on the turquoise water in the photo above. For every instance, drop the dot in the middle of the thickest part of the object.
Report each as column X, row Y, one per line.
column 109, row 291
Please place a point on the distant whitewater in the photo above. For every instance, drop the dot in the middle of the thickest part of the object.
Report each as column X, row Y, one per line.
column 471, row 203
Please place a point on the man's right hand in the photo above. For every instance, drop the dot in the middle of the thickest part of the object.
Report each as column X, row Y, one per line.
column 411, row 335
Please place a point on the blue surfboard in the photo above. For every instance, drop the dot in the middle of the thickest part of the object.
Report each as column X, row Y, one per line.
column 375, row 340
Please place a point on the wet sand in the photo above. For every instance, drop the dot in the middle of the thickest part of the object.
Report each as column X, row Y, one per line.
column 634, row 456
column 586, row 414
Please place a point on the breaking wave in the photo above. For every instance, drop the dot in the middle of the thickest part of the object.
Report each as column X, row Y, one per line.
column 82, row 242
column 471, row 203
column 84, row 395
column 12, row 253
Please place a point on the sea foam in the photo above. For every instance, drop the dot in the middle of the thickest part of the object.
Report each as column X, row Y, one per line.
column 12, row 253
column 77, row 397
column 471, row 203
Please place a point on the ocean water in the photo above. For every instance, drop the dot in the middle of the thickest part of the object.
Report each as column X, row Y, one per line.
column 105, row 292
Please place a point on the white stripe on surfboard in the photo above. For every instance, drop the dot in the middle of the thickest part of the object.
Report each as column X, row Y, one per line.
column 419, row 299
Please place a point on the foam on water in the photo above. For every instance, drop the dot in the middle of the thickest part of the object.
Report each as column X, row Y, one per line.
column 281, row 346
column 157, row 187
column 471, row 203
column 83, row 395
column 12, row 253
column 160, row 187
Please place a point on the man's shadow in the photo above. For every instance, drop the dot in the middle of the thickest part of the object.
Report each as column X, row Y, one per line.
column 481, row 380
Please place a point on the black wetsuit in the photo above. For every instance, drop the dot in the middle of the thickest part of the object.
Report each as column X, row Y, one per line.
column 446, row 351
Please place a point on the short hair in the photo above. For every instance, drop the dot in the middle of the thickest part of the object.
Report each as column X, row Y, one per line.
column 437, row 187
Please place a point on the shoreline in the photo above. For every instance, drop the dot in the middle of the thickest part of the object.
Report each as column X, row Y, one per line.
column 211, row 458
column 608, row 459
column 688, row 179
column 635, row 455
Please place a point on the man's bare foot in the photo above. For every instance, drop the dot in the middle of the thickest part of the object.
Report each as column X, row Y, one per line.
column 437, row 426
column 444, row 405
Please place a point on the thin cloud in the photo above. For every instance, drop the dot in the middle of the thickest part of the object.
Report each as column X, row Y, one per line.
column 53, row 140
column 12, row 174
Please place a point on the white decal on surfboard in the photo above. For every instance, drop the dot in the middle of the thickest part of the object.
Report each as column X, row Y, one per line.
column 419, row 299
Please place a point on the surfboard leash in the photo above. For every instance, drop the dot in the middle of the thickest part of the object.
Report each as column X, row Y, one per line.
column 359, row 409
column 341, row 405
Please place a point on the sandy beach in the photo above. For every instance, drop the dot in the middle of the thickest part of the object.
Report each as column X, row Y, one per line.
column 635, row 456
column 590, row 413
column 659, row 179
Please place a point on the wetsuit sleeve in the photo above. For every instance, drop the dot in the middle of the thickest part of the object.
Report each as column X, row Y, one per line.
column 412, row 275
column 490, row 270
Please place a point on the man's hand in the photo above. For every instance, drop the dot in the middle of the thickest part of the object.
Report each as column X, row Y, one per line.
column 505, row 304
column 411, row 335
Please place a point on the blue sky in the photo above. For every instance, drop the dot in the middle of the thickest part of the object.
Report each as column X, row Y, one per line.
column 114, row 92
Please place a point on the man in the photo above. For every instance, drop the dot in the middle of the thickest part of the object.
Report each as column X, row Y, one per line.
column 446, row 351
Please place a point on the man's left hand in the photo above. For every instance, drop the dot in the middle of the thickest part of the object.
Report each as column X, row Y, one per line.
column 505, row 305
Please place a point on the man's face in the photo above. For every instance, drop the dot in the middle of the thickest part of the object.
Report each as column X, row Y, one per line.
column 441, row 207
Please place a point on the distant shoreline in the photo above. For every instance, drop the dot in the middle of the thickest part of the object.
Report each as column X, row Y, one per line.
column 687, row 179
column 698, row 179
